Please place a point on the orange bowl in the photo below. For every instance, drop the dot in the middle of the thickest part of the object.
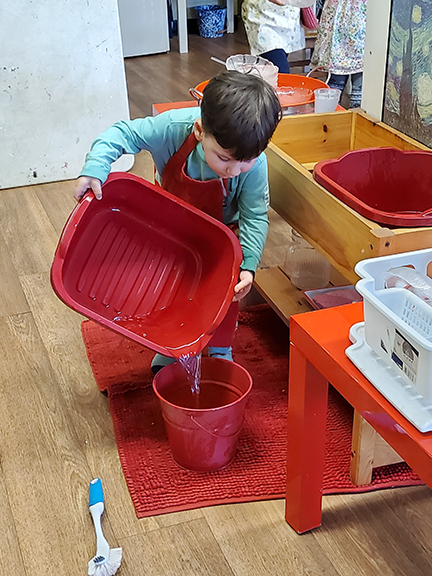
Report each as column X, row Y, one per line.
column 292, row 89
column 296, row 90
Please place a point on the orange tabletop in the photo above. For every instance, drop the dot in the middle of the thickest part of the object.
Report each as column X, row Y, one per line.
column 163, row 107
column 317, row 356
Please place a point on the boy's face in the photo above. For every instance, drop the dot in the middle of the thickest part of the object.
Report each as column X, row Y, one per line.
column 220, row 160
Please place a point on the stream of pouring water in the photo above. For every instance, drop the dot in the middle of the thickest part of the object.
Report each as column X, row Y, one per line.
column 192, row 365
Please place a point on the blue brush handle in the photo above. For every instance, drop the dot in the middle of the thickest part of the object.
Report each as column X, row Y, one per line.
column 95, row 492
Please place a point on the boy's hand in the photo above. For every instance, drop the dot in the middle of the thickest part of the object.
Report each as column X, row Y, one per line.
column 244, row 286
column 85, row 183
column 279, row 2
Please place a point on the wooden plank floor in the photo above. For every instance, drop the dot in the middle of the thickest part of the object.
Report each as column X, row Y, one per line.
column 56, row 432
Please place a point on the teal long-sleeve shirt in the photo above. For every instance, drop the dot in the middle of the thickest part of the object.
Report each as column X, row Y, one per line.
column 247, row 201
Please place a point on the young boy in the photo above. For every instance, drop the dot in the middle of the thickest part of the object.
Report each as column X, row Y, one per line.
column 213, row 158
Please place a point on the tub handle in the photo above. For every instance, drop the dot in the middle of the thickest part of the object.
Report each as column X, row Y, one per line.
column 210, row 431
column 319, row 68
column 196, row 94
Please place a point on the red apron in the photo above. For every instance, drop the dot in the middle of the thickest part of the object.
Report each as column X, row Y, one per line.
column 207, row 196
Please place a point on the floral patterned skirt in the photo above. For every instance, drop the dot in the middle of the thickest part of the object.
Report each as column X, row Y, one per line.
column 339, row 46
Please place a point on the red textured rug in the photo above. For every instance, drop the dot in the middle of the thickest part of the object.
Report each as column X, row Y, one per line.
column 157, row 485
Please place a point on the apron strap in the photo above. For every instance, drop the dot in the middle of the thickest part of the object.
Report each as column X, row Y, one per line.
column 187, row 146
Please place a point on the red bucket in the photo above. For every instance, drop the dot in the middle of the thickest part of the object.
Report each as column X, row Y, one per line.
column 203, row 429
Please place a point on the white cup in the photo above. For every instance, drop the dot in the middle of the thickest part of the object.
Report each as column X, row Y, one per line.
column 326, row 99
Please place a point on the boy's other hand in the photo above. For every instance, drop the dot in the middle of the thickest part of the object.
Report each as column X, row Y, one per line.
column 85, row 183
column 243, row 288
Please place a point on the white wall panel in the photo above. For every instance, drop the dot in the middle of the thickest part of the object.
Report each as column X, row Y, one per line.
column 375, row 59
column 62, row 82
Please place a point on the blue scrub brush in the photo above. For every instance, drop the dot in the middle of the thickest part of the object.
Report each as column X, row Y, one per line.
column 106, row 562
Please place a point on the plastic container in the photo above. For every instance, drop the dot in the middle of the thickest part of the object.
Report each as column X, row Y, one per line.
column 410, row 279
column 248, row 64
column 211, row 20
column 387, row 185
column 147, row 265
column 203, row 438
column 306, row 267
column 332, row 296
column 326, row 99
column 398, row 323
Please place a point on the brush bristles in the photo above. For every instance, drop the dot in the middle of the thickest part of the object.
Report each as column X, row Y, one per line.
column 110, row 567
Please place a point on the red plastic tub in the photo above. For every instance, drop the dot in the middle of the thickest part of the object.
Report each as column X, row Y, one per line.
column 148, row 265
column 387, row 185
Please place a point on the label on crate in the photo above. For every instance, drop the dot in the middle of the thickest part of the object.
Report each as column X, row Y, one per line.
column 405, row 356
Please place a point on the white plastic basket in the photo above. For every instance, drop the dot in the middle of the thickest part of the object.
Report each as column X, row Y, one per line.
column 398, row 324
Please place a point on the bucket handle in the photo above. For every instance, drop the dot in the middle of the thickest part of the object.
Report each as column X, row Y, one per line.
column 196, row 94
column 319, row 68
column 210, row 431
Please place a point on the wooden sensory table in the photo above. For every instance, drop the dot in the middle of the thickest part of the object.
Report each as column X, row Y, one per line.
column 337, row 231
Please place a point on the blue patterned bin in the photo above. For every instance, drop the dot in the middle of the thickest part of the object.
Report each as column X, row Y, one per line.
column 211, row 21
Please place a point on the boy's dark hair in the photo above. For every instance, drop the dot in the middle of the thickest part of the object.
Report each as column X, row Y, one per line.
column 241, row 111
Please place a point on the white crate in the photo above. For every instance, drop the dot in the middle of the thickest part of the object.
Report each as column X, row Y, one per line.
column 398, row 324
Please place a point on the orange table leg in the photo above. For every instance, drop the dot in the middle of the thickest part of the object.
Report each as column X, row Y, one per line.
column 307, row 411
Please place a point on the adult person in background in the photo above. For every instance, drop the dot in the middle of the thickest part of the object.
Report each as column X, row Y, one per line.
column 339, row 46
column 273, row 29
